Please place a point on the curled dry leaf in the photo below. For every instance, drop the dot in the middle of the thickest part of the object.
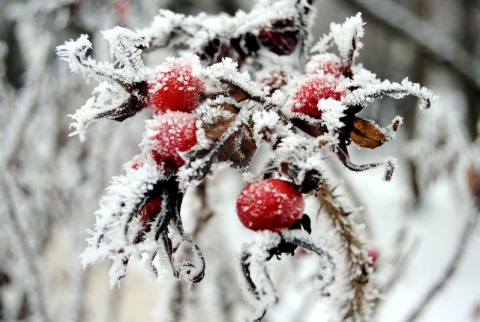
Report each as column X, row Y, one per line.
column 366, row 134
column 238, row 149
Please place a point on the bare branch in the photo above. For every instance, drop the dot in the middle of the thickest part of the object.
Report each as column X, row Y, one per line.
column 422, row 34
column 26, row 255
column 452, row 267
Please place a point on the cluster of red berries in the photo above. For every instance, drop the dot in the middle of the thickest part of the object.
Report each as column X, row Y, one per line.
column 173, row 94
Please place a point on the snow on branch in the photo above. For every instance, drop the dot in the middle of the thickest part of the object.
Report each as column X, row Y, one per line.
column 108, row 101
column 364, row 96
column 125, row 47
column 346, row 37
column 116, row 227
column 424, row 35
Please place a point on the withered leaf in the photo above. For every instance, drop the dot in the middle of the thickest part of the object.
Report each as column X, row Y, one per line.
column 309, row 128
column 366, row 134
column 473, row 180
column 238, row 149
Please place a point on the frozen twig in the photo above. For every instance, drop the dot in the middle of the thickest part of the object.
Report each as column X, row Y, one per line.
column 25, row 105
column 400, row 263
column 26, row 255
column 438, row 45
column 358, row 306
column 462, row 246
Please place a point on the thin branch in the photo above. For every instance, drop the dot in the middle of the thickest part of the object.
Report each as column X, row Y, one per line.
column 26, row 255
column 424, row 35
column 16, row 128
column 400, row 263
column 359, row 306
column 466, row 234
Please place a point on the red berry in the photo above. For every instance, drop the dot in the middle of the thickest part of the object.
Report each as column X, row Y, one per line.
column 271, row 204
column 325, row 63
column 175, row 86
column 372, row 255
column 136, row 166
column 311, row 90
column 123, row 7
column 275, row 79
column 150, row 210
column 281, row 39
column 169, row 135
column 136, row 163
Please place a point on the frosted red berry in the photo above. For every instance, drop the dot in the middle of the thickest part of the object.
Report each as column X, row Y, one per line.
column 325, row 63
column 150, row 210
column 271, row 204
column 275, row 79
column 311, row 90
column 136, row 163
column 170, row 134
column 176, row 86
column 281, row 39
column 123, row 7
column 372, row 255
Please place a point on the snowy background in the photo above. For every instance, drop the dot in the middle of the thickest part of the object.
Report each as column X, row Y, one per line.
column 420, row 222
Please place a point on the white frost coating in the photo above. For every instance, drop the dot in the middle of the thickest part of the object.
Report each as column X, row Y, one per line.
column 188, row 175
column 343, row 34
column 363, row 77
column 260, row 115
column 185, row 67
column 73, row 51
column 115, row 225
column 258, row 249
column 109, row 97
column 265, row 123
column 228, row 70
column 364, row 96
column 161, row 28
column 124, row 45
column 206, row 27
column 332, row 111
column 210, row 112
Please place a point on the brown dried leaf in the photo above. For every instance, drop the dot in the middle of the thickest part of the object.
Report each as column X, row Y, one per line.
column 309, row 128
column 238, row 149
column 473, row 182
column 366, row 134
column 214, row 131
column 236, row 92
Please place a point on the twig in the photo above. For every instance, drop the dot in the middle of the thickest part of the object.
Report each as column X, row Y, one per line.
column 179, row 288
column 400, row 264
column 422, row 34
column 358, row 307
column 26, row 255
column 354, row 197
column 16, row 128
column 466, row 233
